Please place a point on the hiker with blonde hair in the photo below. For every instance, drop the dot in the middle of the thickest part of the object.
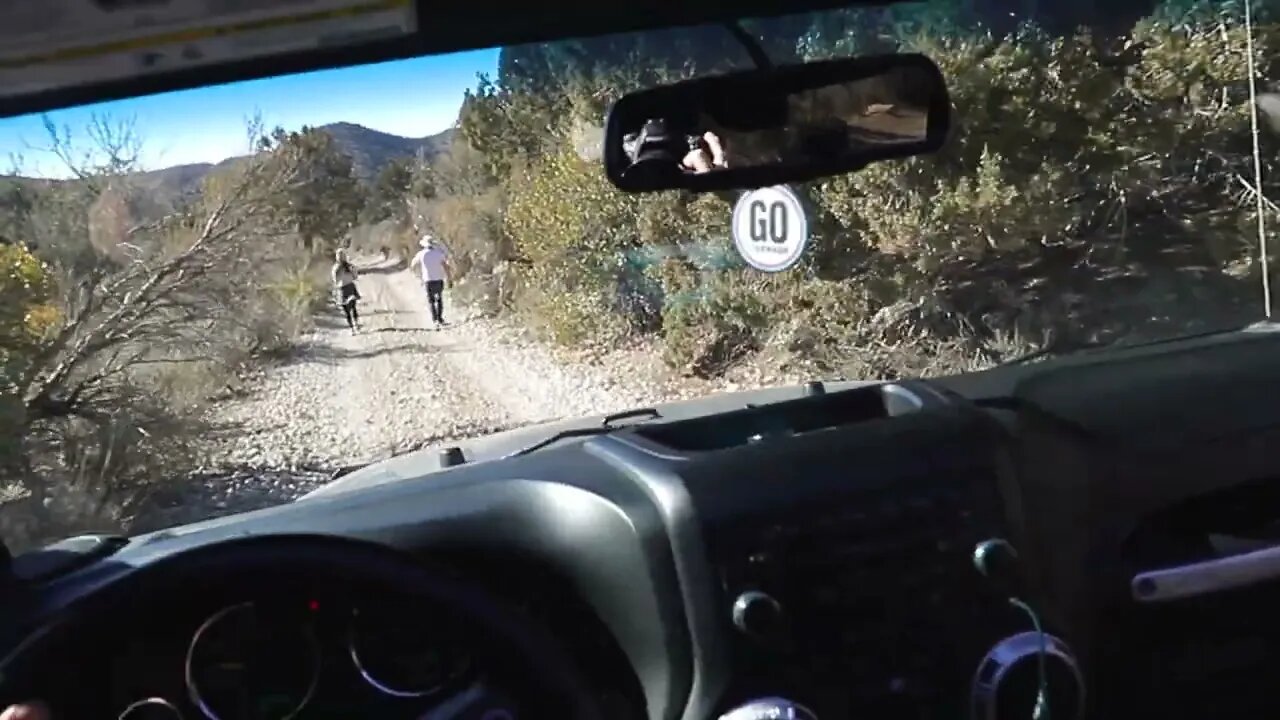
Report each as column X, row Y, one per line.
column 344, row 279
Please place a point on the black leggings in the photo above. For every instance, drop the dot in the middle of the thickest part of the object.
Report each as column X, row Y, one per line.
column 349, row 297
column 435, row 298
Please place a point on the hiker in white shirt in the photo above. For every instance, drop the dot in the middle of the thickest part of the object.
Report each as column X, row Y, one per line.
column 432, row 264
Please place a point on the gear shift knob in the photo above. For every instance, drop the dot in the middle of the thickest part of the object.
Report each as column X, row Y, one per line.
column 997, row 561
column 770, row 708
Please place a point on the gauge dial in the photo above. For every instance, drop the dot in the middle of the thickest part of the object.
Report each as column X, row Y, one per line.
column 404, row 654
column 249, row 662
column 151, row 709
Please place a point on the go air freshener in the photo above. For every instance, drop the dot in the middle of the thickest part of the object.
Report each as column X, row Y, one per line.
column 770, row 228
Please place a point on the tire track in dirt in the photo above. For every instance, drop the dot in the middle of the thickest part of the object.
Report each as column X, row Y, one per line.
column 347, row 397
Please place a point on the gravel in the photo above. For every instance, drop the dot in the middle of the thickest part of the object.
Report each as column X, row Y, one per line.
column 345, row 399
column 397, row 382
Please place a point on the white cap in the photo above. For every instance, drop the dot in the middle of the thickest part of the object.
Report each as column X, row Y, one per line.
column 427, row 240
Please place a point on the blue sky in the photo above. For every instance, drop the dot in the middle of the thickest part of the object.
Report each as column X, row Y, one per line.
column 412, row 98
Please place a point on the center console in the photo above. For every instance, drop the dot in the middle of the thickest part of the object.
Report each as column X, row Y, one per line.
column 842, row 528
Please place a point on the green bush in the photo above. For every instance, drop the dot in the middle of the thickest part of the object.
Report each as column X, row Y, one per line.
column 27, row 315
column 107, row 368
column 1091, row 189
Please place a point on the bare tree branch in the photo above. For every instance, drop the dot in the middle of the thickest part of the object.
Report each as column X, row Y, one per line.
column 153, row 300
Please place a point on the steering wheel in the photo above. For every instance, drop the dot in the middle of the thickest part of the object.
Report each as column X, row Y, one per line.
column 43, row 665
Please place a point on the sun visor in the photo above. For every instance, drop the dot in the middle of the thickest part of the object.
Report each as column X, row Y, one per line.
column 62, row 53
column 56, row 45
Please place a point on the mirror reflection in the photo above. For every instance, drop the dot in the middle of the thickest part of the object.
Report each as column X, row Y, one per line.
column 819, row 124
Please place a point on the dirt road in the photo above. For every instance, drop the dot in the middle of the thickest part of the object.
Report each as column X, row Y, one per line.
column 399, row 382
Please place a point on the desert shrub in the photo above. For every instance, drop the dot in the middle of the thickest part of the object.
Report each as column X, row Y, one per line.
column 278, row 316
column 96, row 473
column 27, row 316
column 705, row 335
column 1095, row 187
column 109, row 368
column 572, row 232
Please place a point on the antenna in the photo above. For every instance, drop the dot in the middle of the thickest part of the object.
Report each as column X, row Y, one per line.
column 1257, row 161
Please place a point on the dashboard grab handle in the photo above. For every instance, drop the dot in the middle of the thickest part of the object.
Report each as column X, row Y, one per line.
column 1207, row 576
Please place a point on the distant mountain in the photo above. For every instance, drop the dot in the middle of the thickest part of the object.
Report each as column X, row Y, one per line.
column 371, row 150
column 160, row 191
column 155, row 193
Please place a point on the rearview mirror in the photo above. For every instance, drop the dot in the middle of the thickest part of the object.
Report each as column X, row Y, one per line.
column 769, row 127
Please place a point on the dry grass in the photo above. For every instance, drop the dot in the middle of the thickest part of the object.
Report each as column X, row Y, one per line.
column 112, row 401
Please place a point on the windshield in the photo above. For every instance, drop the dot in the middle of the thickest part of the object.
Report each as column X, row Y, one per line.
column 182, row 337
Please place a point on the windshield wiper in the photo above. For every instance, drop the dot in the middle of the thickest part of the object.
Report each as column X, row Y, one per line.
column 1066, row 348
column 605, row 427
column 1057, row 349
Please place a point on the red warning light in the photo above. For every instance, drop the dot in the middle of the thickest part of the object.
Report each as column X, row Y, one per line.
column 313, row 605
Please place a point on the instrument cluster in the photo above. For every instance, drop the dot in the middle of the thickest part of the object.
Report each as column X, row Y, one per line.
column 303, row 657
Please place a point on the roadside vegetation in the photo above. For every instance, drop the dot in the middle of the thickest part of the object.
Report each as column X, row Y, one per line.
column 118, row 331
column 1097, row 186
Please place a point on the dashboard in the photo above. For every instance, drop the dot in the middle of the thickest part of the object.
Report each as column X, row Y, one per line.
column 1092, row 537
column 318, row 651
